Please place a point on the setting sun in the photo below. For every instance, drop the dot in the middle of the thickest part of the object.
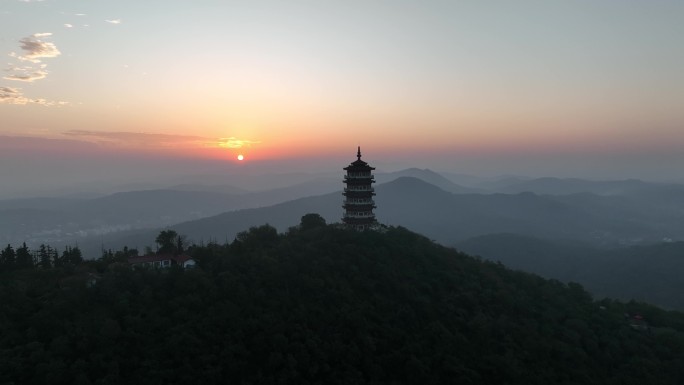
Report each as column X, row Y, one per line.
column 240, row 157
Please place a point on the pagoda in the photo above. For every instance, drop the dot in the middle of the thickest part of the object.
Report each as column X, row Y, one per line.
column 358, row 201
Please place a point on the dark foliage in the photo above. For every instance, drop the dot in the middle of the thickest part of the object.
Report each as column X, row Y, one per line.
column 322, row 304
column 649, row 273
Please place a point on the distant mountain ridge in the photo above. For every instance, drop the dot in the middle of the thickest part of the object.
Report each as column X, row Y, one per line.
column 567, row 186
column 647, row 212
column 428, row 176
column 650, row 273
column 57, row 220
column 449, row 218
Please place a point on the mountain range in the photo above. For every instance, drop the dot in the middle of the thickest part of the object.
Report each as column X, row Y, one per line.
column 567, row 229
column 449, row 218
column 649, row 273
column 599, row 212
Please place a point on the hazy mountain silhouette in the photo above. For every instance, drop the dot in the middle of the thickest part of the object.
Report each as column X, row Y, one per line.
column 446, row 217
column 53, row 220
column 50, row 220
column 650, row 273
column 500, row 183
column 645, row 212
column 428, row 176
column 559, row 186
column 449, row 218
column 224, row 227
column 221, row 188
column 466, row 180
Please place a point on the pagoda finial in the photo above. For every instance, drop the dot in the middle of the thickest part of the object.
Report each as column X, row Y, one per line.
column 358, row 153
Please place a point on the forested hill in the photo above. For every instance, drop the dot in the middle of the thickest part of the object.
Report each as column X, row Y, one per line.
column 650, row 273
column 324, row 305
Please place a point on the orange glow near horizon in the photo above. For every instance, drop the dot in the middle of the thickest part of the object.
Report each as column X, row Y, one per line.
column 323, row 137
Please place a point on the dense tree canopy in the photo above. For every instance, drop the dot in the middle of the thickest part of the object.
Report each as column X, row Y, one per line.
column 310, row 221
column 323, row 304
column 167, row 242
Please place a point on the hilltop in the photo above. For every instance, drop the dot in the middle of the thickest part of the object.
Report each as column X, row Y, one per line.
column 322, row 304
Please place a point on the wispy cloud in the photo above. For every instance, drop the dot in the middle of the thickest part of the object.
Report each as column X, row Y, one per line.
column 26, row 74
column 234, row 142
column 138, row 138
column 35, row 49
column 67, row 25
column 115, row 21
column 11, row 95
column 153, row 140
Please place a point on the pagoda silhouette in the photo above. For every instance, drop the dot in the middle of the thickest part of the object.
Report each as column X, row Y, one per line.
column 358, row 193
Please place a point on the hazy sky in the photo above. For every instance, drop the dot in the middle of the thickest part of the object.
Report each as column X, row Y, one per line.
column 569, row 88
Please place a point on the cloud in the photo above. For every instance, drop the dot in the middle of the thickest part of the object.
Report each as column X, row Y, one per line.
column 234, row 142
column 28, row 76
column 152, row 140
column 36, row 49
column 139, row 138
column 115, row 21
column 67, row 25
column 9, row 91
column 11, row 95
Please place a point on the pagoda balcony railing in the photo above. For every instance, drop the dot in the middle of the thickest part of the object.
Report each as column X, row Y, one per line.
column 358, row 209
column 360, row 221
column 352, row 176
column 358, row 188
column 359, row 202
column 363, row 214
column 359, row 181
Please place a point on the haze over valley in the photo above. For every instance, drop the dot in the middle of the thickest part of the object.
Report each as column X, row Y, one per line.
column 605, row 213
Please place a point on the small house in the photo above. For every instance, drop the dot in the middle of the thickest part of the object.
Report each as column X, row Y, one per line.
column 162, row 261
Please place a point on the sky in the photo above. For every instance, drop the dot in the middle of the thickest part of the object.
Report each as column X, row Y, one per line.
column 113, row 89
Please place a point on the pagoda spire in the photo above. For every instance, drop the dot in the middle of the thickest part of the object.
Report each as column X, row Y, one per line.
column 358, row 153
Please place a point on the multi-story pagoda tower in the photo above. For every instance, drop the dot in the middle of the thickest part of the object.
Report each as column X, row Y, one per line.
column 358, row 201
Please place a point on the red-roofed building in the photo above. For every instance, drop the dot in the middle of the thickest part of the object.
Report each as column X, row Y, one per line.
column 162, row 261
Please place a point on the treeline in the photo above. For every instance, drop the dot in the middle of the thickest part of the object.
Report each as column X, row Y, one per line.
column 44, row 257
column 321, row 304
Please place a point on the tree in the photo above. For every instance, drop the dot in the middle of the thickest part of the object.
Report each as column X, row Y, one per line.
column 44, row 256
column 54, row 255
column 24, row 258
column 257, row 237
column 180, row 244
column 8, row 258
column 166, row 242
column 170, row 242
column 71, row 256
column 311, row 221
